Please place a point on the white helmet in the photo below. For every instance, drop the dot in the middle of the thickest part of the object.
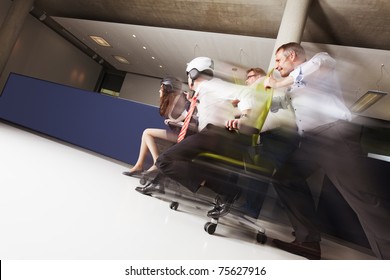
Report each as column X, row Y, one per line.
column 198, row 65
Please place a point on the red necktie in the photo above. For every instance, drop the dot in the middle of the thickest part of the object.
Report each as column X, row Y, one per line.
column 186, row 123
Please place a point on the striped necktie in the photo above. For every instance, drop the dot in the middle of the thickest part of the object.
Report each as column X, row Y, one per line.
column 186, row 123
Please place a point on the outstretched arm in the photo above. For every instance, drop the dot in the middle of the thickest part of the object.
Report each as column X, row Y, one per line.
column 271, row 82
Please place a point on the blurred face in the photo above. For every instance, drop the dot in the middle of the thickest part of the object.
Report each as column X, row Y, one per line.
column 284, row 64
column 161, row 90
column 251, row 77
column 190, row 82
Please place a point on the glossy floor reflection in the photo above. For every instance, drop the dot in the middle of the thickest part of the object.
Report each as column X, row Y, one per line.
column 58, row 201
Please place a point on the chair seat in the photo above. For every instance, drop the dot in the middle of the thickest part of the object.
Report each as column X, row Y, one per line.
column 243, row 168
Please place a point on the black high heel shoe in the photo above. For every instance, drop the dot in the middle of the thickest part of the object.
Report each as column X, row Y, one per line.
column 135, row 174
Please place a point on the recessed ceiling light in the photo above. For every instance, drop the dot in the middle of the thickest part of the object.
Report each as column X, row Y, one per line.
column 134, row 36
column 144, row 47
column 153, row 57
column 43, row 17
column 121, row 59
column 100, row 41
column 161, row 66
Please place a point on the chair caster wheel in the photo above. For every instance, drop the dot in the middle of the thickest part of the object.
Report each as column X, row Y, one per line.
column 174, row 205
column 210, row 227
column 261, row 238
column 143, row 180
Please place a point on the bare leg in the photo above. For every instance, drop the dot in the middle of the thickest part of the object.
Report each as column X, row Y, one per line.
column 148, row 144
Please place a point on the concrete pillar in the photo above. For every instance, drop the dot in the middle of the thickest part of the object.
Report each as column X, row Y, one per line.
column 11, row 27
column 292, row 25
column 290, row 30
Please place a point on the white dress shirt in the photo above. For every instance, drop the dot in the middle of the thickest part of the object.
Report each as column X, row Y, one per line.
column 215, row 101
column 315, row 96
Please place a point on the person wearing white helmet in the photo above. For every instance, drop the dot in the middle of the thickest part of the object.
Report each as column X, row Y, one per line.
column 214, row 110
column 215, row 95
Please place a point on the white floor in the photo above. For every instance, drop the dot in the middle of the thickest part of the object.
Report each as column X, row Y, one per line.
column 61, row 202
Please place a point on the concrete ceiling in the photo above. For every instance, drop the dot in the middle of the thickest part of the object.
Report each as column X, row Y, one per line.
column 182, row 29
column 358, row 23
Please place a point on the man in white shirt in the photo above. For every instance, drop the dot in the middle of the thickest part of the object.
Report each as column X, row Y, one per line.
column 327, row 141
column 215, row 108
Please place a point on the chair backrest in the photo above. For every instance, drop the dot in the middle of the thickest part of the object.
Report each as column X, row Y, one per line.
column 254, row 165
column 266, row 105
column 261, row 112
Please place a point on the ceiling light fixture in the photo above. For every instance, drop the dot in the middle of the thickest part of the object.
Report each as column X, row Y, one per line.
column 367, row 100
column 100, row 41
column 121, row 59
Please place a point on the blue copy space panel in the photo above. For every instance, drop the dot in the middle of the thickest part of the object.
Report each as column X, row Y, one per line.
column 107, row 125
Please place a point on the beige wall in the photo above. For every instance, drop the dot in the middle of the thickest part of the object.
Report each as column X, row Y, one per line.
column 41, row 53
column 141, row 89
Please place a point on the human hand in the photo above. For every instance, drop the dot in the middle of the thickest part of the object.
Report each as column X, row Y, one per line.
column 235, row 102
column 269, row 82
column 188, row 94
column 232, row 124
